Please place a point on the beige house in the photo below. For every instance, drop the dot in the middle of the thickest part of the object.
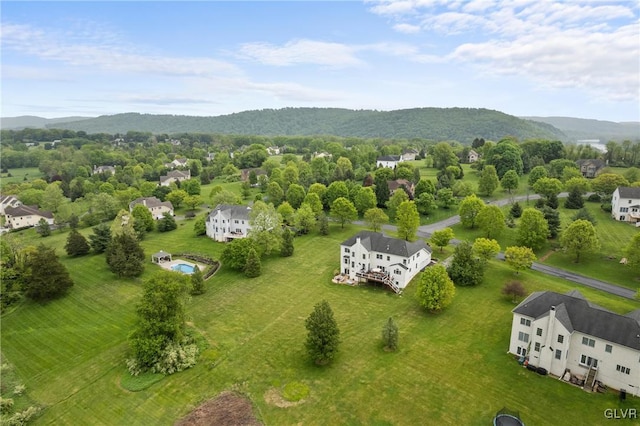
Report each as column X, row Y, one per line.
column 154, row 205
column 473, row 156
column 25, row 216
column 175, row 176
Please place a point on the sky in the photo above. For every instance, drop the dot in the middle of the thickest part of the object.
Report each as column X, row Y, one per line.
column 522, row 57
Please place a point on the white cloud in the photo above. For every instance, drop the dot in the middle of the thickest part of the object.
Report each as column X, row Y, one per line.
column 592, row 46
column 301, row 52
column 407, row 28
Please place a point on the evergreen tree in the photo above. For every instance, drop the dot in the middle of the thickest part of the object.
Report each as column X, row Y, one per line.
column 197, row 282
column 287, row 243
column 43, row 228
column 516, row 210
column 583, row 213
column 100, row 239
column 382, row 190
column 48, row 278
column 74, row 221
column 574, row 201
column 252, row 268
column 390, row 335
column 77, row 244
column 125, row 256
column 465, row 269
column 553, row 221
column 167, row 223
column 323, row 335
column 323, row 223
column 552, row 201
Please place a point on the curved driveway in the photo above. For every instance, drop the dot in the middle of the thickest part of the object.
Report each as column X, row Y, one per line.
column 425, row 231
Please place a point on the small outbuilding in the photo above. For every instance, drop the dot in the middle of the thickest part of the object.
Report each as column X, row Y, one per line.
column 160, row 257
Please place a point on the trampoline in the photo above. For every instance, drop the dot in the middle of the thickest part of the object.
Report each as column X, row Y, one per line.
column 507, row 418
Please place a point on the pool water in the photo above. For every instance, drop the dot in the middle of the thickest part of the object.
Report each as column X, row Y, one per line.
column 184, row 268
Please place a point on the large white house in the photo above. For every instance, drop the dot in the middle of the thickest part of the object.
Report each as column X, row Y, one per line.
column 565, row 333
column 154, row 205
column 372, row 256
column 625, row 204
column 227, row 222
column 390, row 161
column 23, row 216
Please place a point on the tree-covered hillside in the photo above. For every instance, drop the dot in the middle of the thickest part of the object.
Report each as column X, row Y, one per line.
column 461, row 124
column 580, row 128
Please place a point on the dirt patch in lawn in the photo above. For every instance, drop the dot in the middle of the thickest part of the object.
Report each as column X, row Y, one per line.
column 274, row 397
column 227, row 409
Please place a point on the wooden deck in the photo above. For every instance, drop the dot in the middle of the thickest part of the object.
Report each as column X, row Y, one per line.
column 381, row 277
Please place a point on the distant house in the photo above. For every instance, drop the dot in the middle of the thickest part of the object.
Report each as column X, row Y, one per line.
column 23, row 216
column 273, row 150
column 591, row 168
column 104, row 169
column 372, row 256
column 409, row 154
column 175, row 176
column 390, row 161
column 154, row 205
column 8, row 201
column 322, row 154
column 569, row 336
column 625, row 204
column 227, row 222
column 244, row 173
column 408, row 186
column 178, row 162
column 211, row 156
column 473, row 156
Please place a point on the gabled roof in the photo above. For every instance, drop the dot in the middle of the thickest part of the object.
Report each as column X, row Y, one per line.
column 375, row 241
column 231, row 211
column 629, row 192
column 577, row 314
column 150, row 202
column 389, row 158
column 23, row 210
column 594, row 162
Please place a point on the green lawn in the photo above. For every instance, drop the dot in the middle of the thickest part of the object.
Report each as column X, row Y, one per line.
column 19, row 175
column 450, row 368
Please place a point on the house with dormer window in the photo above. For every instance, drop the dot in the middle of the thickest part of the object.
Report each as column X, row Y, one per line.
column 567, row 335
column 372, row 256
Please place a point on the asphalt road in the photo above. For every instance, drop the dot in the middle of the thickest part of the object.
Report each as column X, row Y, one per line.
column 425, row 231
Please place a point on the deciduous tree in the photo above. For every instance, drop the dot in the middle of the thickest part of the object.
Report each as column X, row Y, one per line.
column 234, row 254
column 287, row 243
column 407, row 221
column 43, row 228
column 197, row 282
column 343, row 211
column 514, row 290
column 510, row 181
column 469, row 209
column 441, row 237
column 465, row 269
column 533, row 229
column 489, row 180
column 166, row 223
column 519, row 258
column 632, row 251
column 579, row 238
column 486, row 248
column 435, row 289
column 375, row 218
column 491, row 221
column 304, row 219
column 605, row 183
column 323, row 335
column 266, row 228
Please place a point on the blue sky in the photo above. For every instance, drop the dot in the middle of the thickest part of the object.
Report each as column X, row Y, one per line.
column 523, row 57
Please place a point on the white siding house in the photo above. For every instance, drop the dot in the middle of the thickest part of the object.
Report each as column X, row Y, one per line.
column 154, row 205
column 625, row 204
column 25, row 216
column 175, row 176
column 565, row 333
column 227, row 222
column 390, row 161
column 375, row 257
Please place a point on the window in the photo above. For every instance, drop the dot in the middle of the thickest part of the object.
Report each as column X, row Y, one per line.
column 608, row 348
column 524, row 321
column 623, row 369
column 536, row 347
column 588, row 361
column 404, row 261
column 388, row 258
column 523, row 337
column 588, row 342
column 558, row 354
column 521, row 351
column 346, row 260
column 560, row 338
column 621, row 217
column 378, row 256
column 236, row 221
column 346, row 250
column 539, row 332
column 624, row 209
column 364, row 256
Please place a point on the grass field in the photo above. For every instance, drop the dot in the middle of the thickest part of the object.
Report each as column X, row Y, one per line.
column 19, row 175
column 450, row 368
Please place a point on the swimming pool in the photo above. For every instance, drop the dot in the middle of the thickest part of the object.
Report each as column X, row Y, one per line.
column 184, row 268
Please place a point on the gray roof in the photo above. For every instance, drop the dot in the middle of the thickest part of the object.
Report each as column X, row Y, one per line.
column 23, row 210
column 389, row 158
column 375, row 241
column 629, row 192
column 577, row 314
column 232, row 211
column 150, row 202
column 594, row 161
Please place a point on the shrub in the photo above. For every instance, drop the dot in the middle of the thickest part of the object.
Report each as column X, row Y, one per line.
column 606, row 207
column 23, row 417
column 594, row 198
column 176, row 357
column 6, row 405
column 514, row 290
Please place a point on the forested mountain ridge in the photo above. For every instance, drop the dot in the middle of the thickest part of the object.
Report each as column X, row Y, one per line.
column 32, row 121
column 581, row 128
column 461, row 124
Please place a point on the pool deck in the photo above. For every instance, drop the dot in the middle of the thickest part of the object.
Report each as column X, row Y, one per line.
column 169, row 265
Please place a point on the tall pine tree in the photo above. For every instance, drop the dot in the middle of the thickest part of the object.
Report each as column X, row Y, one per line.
column 48, row 278
column 323, row 335
column 77, row 244
column 125, row 256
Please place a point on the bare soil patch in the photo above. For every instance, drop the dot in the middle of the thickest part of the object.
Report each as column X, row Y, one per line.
column 227, row 409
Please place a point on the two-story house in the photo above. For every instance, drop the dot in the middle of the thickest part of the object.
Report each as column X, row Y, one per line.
column 23, row 216
column 8, row 201
column 154, row 205
column 472, row 156
column 104, row 169
column 591, row 168
column 372, row 256
column 390, row 161
column 406, row 185
column 625, row 204
column 177, row 162
column 227, row 222
column 568, row 335
column 175, row 176
column 409, row 154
